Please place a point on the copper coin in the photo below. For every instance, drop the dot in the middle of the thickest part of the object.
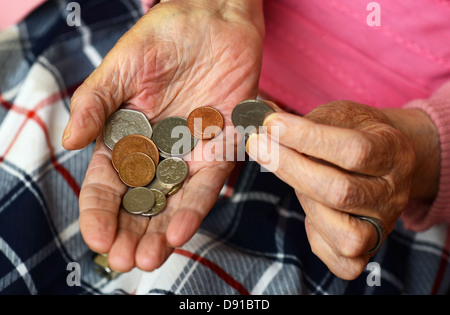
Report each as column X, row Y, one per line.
column 205, row 122
column 134, row 143
column 136, row 169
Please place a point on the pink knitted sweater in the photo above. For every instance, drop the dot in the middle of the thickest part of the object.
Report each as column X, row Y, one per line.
column 324, row 50
column 384, row 54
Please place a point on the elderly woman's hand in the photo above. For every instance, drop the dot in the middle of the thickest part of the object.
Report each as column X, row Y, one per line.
column 179, row 56
column 346, row 159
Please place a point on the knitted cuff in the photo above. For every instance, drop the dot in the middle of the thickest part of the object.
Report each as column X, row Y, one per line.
column 420, row 215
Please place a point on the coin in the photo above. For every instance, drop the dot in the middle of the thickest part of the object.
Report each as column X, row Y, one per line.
column 160, row 204
column 250, row 115
column 174, row 189
column 172, row 171
column 172, row 137
column 101, row 266
column 138, row 200
column 125, row 122
column 156, row 184
column 205, row 122
column 134, row 143
column 136, row 169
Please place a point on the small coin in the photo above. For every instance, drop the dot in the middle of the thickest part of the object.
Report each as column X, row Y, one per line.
column 172, row 171
column 101, row 266
column 125, row 122
column 249, row 115
column 205, row 122
column 134, row 143
column 160, row 204
column 172, row 137
column 156, row 184
column 138, row 200
column 174, row 189
column 136, row 169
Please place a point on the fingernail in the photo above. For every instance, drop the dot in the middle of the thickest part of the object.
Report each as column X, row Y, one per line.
column 66, row 136
column 274, row 121
column 269, row 117
column 256, row 147
column 66, row 133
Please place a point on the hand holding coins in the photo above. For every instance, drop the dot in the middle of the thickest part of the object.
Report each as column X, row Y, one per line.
column 148, row 159
column 129, row 75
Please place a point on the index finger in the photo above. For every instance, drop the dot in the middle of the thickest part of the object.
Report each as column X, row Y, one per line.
column 349, row 149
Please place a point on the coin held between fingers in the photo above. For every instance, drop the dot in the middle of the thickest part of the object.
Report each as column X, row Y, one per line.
column 250, row 115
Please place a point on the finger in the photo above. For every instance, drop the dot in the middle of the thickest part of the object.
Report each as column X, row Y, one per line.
column 99, row 201
column 131, row 228
column 97, row 98
column 196, row 200
column 346, row 235
column 183, row 215
column 153, row 248
column 350, row 149
column 343, row 267
column 323, row 183
column 209, row 168
column 152, row 251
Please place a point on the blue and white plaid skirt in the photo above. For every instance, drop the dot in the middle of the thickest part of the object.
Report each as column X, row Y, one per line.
column 252, row 242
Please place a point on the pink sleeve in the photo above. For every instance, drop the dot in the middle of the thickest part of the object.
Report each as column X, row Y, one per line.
column 418, row 215
column 12, row 12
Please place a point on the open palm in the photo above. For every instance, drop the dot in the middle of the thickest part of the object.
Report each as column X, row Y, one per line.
column 176, row 58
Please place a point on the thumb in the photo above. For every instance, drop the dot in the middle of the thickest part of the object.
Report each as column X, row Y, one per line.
column 91, row 104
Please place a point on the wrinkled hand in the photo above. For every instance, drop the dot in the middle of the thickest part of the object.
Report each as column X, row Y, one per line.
column 179, row 56
column 342, row 158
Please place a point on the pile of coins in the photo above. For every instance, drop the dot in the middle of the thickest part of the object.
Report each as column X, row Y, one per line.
column 148, row 159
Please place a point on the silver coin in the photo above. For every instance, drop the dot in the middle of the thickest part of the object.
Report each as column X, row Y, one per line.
column 174, row 189
column 138, row 200
column 249, row 115
column 160, row 204
column 101, row 266
column 125, row 122
column 172, row 137
column 156, row 184
column 172, row 171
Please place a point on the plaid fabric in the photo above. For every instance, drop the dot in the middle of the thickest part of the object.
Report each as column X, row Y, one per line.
column 252, row 242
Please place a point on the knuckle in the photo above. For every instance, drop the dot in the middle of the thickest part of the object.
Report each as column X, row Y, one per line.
column 354, row 241
column 350, row 269
column 343, row 193
column 360, row 152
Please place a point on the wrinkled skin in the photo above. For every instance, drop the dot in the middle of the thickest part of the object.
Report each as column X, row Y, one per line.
column 345, row 158
column 176, row 58
column 342, row 158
